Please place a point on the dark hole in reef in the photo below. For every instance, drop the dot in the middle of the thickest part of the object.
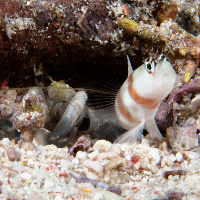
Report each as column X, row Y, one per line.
column 82, row 72
column 82, row 42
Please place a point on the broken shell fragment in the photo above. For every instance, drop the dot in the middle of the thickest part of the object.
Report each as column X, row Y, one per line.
column 164, row 116
column 82, row 144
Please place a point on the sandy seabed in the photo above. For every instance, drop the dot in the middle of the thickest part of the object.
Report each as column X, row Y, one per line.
column 105, row 171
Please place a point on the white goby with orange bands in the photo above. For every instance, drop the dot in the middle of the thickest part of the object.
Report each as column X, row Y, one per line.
column 140, row 95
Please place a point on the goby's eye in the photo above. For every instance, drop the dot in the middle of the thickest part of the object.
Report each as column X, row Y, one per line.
column 149, row 66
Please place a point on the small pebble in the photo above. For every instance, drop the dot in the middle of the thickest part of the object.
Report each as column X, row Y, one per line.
column 102, row 143
column 12, row 156
column 28, row 146
column 30, row 163
column 81, row 155
column 25, row 176
column 179, row 156
column 94, row 165
column 5, row 142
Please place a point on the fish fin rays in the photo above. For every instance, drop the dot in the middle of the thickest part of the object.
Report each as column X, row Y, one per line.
column 131, row 135
column 153, row 130
column 130, row 69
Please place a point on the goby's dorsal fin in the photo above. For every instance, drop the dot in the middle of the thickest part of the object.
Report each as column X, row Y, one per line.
column 130, row 70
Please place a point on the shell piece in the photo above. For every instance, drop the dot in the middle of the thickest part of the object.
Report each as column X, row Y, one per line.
column 166, row 174
column 32, row 112
column 139, row 97
column 71, row 115
column 82, row 144
column 114, row 162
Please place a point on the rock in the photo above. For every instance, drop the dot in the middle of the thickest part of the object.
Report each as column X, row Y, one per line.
column 183, row 137
column 35, row 31
column 164, row 116
column 94, row 165
column 32, row 112
column 28, row 146
column 12, row 156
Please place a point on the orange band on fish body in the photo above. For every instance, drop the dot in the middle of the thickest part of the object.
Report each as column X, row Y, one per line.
column 130, row 79
column 146, row 103
column 124, row 112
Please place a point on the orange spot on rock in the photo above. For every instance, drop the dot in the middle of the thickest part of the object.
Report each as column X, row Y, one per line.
column 125, row 9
